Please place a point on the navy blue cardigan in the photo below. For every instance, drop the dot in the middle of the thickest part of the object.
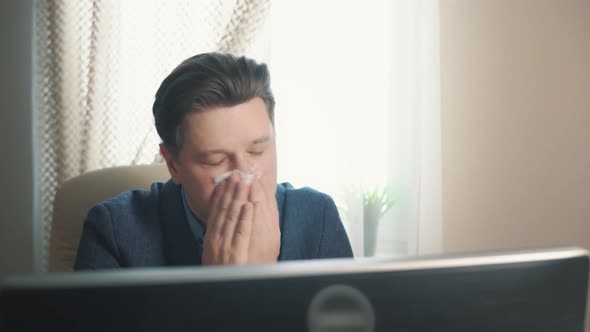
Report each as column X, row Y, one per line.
column 143, row 228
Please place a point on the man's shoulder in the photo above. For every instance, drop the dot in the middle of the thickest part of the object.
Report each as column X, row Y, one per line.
column 134, row 196
column 303, row 193
column 139, row 201
column 125, row 230
column 305, row 200
column 310, row 225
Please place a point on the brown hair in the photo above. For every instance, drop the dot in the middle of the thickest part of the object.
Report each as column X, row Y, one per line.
column 203, row 81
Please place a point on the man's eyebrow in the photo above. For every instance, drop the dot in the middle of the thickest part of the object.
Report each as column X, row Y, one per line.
column 261, row 140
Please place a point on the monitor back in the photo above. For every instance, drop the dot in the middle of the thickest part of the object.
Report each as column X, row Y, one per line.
column 510, row 291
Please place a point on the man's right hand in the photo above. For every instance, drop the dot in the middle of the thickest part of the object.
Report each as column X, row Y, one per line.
column 229, row 227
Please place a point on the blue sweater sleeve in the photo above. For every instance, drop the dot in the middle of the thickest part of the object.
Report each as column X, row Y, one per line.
column 334, row 242
column 98, row 248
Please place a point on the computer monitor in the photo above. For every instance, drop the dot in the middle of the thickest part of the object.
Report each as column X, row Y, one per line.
column 542, row 290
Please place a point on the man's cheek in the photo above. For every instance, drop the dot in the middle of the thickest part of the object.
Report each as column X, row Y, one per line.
column 209, row 193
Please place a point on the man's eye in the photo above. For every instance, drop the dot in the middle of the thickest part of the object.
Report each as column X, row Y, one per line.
column 215, row 162
column 256, row 153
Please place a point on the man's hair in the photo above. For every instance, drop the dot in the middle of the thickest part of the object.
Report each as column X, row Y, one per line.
column 203, row 81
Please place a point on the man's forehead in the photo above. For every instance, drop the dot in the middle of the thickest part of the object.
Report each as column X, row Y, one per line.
column 212, row 147
column 229, row 127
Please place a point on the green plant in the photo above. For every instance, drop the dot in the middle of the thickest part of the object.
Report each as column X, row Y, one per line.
column 377, row 201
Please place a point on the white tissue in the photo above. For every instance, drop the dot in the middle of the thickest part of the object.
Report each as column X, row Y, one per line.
column 244, row 176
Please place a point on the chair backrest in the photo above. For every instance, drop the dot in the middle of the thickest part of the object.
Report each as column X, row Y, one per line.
column 77, row 195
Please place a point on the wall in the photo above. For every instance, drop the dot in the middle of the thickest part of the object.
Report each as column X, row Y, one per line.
column 516, row 123
column 16, row 132
column 515, row 79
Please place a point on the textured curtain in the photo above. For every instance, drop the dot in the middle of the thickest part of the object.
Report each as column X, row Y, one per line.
column 99, row 64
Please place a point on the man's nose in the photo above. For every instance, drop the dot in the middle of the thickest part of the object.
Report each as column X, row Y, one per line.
column 242, row 163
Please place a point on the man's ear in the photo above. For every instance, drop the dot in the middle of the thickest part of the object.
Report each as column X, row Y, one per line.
column 170, row 163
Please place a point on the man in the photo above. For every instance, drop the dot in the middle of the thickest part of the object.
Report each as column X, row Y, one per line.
column 215, row 116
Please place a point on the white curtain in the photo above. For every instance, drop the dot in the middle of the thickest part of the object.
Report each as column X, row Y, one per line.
column 99, row 65
column 357, row 90
column 356, row 84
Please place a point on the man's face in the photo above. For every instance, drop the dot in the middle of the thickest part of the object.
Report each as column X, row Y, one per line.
column 219, row 140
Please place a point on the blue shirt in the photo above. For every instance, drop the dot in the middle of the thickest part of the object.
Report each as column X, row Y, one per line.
column 194, row 223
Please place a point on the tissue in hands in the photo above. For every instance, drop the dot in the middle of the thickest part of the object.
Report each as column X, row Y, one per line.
column 248, row 177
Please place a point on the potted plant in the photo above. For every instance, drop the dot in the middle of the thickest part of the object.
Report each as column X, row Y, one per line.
column 376, row 202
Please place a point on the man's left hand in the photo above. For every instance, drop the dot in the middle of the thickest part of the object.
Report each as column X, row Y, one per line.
column 265, row 242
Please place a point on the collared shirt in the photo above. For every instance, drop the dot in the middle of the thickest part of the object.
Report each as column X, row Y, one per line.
column 196, row 226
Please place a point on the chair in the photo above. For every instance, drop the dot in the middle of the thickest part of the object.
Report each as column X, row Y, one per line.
column 77, row 195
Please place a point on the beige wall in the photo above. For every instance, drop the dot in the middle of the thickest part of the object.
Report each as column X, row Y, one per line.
column 515, row 123
column 515, row 80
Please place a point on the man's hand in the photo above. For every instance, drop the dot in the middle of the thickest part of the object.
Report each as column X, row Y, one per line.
column 265, row 241
column 243, row 225
column 229, row 227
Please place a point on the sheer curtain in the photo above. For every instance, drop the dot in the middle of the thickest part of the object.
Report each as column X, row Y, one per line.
column 356, row 85
column 357, row 89
column 99, row 65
